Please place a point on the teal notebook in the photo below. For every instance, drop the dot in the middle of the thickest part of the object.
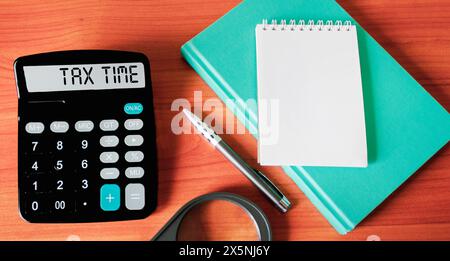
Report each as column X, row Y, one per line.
column 405, row 125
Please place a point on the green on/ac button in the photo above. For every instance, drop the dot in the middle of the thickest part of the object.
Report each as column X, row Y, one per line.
column 133, row 108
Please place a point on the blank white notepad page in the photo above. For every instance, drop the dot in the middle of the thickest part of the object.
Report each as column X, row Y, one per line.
column 310, row 99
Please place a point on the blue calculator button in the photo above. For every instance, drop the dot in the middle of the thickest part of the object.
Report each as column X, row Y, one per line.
column 110, row 197
column 133, row 108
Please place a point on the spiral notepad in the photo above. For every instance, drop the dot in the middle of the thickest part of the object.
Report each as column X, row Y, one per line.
column 310, row 98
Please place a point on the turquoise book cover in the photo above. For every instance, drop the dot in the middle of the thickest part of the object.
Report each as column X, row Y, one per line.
column 405, row 124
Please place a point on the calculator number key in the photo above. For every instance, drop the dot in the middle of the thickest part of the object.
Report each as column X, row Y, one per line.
column 35, row 146
column 84, row 184
column 59, row 185
column 84, row 165
column 58, row 165
column 36, row 164
column 84, row 144
column 61, row 205
column 35, row 206
column 59, row 145
column 36, row 185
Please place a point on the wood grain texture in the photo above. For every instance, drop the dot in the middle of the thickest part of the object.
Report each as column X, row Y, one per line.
column 414, row 32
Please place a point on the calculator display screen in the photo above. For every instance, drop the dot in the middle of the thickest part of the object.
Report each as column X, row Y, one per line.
column 56, row 78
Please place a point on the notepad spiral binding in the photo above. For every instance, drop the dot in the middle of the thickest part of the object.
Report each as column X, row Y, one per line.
column 302, row 25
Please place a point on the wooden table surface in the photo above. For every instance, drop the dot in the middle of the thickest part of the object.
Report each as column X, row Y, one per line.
column 414, row 32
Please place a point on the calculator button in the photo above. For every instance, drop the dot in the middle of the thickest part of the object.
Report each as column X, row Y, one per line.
column 84, row 126
column 84, row 204
column 34, row 127
column 58, row 146
column 36, row 185
column 59, row 165
column 59, row 127
column 109, row 157
column 109, row 141
column 83, row 145
column 134, row 156
column 134, row 196
column 35, row 146
column 83, row 165
column 36, row 205
column 59, row 185
column 109, row 173
column 82, row 184
column 133, row 124
column 134, row 140
column 133, row 108
column 109, row 125
column 134, row 172
column 37, row 164
column 110, row 197
column 61, row 205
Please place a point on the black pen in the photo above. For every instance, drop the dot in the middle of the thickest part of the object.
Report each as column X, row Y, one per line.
column 255, row 176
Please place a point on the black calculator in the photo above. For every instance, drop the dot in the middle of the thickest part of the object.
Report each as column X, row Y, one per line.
column 87, row 148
